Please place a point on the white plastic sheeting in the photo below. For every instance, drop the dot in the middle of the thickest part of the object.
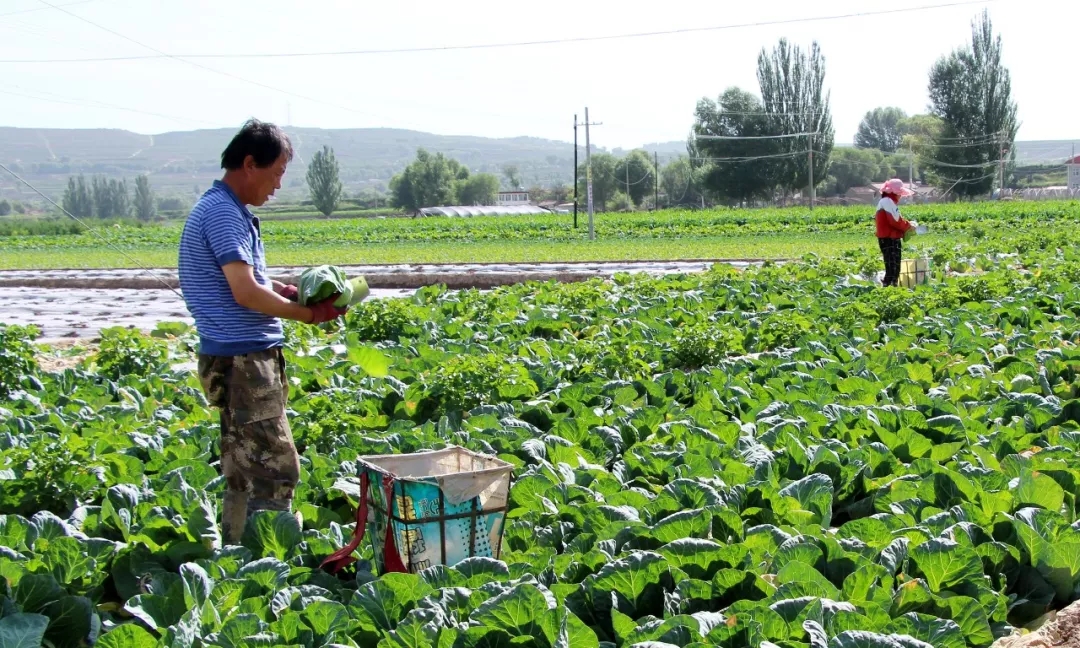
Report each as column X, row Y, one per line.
column 460, row 473
column 463, row 211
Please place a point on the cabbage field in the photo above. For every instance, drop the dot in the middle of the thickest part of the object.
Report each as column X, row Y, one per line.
column 774, row 233
column 786, row 456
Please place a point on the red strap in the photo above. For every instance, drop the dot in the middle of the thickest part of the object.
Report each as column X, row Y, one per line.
column 342, row 558
column 391, row 557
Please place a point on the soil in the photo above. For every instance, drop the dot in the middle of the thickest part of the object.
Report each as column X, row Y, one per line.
column 397, row 277
column 65, row 354
column 80, row 314
column 1057, row 630
column 77, row 304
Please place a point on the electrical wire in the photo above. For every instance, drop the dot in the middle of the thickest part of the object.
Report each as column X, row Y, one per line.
column 86, row 103
column 25, row 11
column 205, row 67
column 752, row 158
column 752, row 137
column 483, row 46
column 104, row 239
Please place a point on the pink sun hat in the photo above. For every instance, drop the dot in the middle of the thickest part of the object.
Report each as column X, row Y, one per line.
column 897, row 188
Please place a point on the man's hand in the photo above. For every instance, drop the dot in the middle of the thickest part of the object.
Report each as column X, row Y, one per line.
column 251, row 294
column 287, row 291
column 325, row 311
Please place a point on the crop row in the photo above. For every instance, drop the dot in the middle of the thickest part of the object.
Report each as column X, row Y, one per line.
column 787, row 456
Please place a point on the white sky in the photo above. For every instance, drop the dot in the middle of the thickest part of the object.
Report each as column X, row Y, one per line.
column 642, row 89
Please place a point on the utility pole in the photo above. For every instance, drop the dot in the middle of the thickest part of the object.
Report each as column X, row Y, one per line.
column 575, row 170
column 656, row 181
column 811, row 152
column 1001, row 169
column 588, row 173
column 626, row 167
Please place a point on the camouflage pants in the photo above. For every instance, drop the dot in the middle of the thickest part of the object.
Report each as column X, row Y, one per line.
column 258, row 456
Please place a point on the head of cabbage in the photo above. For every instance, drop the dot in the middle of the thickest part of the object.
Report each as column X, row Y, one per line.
column 320, row 282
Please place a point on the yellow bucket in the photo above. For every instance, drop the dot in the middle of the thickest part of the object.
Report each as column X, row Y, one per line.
column 914, row 272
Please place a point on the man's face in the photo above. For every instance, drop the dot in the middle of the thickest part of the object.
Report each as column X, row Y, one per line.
column 263, row 182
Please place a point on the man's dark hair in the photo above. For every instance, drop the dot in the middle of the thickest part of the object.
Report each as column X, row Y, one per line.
column 263, row 141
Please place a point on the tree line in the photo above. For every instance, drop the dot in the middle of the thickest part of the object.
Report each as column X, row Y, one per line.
column 743, row 147
column 104, row 198
column 746, row 147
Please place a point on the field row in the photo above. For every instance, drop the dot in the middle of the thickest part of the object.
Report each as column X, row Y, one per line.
column 783, row 455
column 720, row 233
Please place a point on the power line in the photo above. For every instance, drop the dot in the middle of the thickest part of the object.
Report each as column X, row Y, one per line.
column 751, row 158
column 25, row 11
column 982, row 144
column 994, row 135
column 762, row 113
column 96, row 233
column 88, row 103
column 204, row 67
column 752, row 137
column 482, row 46
column 924, row 161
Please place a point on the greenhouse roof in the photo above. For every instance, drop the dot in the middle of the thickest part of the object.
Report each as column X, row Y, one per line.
column 515, row 210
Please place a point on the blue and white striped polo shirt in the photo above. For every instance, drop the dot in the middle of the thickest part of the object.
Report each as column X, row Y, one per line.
column 220, row 230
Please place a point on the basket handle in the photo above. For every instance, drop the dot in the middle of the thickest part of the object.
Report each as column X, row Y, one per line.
column 391, row 557
column 343, row 557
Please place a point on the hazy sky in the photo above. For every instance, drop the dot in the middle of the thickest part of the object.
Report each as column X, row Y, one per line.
column 642, row 89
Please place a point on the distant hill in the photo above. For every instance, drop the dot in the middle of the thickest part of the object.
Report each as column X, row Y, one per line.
column 1046, row 151
column 184, row 163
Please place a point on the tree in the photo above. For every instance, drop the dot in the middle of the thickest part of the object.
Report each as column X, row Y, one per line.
column 110, row 198
column 145, row 208
column 918, row 134
column 78, row 200
column 173, row 204
column 323, row 181
column 971, row 92
column 880, row 129
column 677, row 182
column 99, row 189
column 371, row 198
column 795, row 101
column 734, row 170
column 557, row 192
column 428, row 181
column 5, row 207
column 637, row 170
column 512, row 175
column 620, row 201
column 477, row 189
column 853, row 167
column 604, row 181
column 121, row 202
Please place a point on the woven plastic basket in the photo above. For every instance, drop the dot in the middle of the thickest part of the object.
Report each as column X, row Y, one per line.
column 430, row 508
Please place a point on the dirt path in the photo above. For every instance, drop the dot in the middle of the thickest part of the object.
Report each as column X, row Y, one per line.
column 63, row 313
column 475, row 275
column 77, row 304
column 1057, row 630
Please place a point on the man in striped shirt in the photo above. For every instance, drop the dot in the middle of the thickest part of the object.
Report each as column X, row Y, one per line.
column 238, row 311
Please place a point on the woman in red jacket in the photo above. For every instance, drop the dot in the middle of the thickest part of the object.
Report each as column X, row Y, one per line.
column 891, row 228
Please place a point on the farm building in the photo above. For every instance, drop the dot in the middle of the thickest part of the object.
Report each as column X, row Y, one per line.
column 512, row 198
column 1073, row 173
column 497, row 210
